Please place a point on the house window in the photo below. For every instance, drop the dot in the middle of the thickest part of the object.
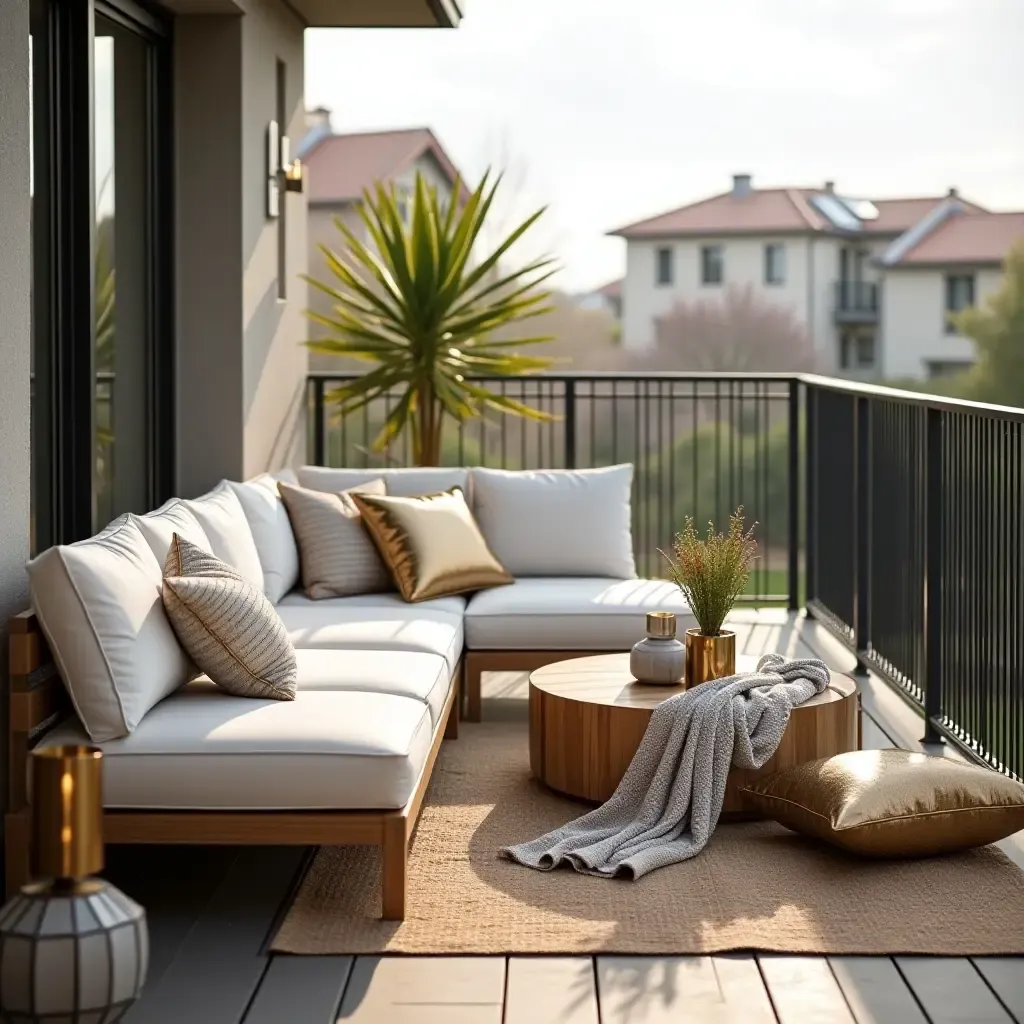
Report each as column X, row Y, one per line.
column 856, row 351
column 775, row 264
column 959, row 295
column 663, row 266
column 712, row 264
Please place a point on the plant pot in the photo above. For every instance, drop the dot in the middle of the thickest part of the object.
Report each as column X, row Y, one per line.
column 709, row 657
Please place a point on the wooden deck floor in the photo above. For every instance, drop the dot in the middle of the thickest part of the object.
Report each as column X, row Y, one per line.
column 212, row 913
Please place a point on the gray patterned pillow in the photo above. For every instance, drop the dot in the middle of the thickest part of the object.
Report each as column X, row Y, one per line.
column 226, row 625
column 338, row 557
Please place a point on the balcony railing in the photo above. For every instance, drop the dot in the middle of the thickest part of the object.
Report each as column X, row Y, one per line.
column 856, row 302
column 896, row 518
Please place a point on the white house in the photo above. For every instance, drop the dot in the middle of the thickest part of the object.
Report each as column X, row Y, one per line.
column 850, row 269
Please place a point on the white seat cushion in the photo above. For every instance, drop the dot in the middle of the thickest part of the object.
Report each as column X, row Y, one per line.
column 403, row 482
column 272, row 534
column 375, row 622
column 557, row 522
column 98, row 602
column 202, row 749
column 423, row 677
column 223, row 520
column 570, row 614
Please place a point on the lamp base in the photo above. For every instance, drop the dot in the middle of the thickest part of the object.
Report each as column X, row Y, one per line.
column 71, row 948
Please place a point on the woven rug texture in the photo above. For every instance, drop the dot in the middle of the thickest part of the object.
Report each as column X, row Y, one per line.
column 756, row 886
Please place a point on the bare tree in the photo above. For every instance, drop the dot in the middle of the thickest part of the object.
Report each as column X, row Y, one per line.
column 741, row 332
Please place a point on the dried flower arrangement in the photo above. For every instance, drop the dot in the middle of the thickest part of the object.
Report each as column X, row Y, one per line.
column 712, row 571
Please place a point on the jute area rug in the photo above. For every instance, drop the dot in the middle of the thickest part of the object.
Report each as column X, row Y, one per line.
column 756, row 886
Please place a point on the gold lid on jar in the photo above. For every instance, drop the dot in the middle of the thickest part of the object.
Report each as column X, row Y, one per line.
column 67, row 812
column 661, row 625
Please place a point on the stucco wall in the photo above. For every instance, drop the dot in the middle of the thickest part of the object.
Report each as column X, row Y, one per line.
column 914, row 319
column 811, row 269
column 241, row 369
column 15, row 332
column 274, row 361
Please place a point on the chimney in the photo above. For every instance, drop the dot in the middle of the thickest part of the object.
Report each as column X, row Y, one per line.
column 741, row 185
column 952, row 193
column 318, row 117
column 830, row 187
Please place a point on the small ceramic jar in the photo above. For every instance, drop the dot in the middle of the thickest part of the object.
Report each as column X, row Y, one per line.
column 660, row 657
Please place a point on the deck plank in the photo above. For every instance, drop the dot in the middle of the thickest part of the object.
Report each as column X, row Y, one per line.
column 551, row 990
column 804, row 990
column 952, row 991
column 699, row 989
column 220, row 964
column 875, row 990
column 425, row 990
column 173, row 884
column 301, row 990
column 1005, row 976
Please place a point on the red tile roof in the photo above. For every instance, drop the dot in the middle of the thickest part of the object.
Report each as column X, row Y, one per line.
column 339, row 167
column 613, row 289
column 767, row 210
column 968, row 239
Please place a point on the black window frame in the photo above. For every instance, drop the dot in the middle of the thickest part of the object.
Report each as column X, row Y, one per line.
column 664, row 266
column 771, row 277
column 950, row 282
column 706, row 264
column 63, row 277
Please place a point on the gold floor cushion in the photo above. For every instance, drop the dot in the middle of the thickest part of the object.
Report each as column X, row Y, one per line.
column 892, row 803
column 431, row 545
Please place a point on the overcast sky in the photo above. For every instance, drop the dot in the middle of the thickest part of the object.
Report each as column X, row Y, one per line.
column 612, row 110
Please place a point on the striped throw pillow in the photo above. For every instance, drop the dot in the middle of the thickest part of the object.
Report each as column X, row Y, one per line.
column 337, row 555
column 226, row 625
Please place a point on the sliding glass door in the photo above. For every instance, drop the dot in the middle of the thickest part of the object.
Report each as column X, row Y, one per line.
column 103, row 357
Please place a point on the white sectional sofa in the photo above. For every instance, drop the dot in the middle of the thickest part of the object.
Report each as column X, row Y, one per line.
column 348, row 761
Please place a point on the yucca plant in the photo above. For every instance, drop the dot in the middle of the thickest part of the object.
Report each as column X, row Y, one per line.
column 712, row 571
column 414, row 300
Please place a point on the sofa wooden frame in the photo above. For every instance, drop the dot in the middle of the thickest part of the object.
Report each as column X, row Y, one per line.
column 476, row 663
column 38, row 702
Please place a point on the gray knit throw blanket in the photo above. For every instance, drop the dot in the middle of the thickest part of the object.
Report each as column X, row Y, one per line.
column 668, row 802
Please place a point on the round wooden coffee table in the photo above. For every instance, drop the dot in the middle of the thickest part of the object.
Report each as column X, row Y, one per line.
column 588, row 715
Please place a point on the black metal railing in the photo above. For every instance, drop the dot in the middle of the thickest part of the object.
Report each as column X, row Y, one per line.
column 856, row 300
column 915, row 553
column 896, row 517
column 701, row 445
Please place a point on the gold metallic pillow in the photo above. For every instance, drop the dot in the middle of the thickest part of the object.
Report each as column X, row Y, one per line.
column 431, row 545
column 892, row 803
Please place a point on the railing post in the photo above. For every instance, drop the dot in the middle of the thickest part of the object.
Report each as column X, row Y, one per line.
column 810, row 495
column 794, row 495
column 570, row 423
column 862, row 564
column 933, row 577
column 318, row 422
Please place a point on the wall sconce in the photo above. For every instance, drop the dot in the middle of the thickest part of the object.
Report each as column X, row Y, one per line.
column 295, row 176
column 273, row 171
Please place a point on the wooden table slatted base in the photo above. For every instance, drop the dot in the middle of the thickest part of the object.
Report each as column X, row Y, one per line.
column 588, row 716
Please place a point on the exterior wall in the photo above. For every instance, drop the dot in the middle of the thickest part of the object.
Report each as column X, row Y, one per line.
column 241, row 369
column 274, row 363
column 914, row 319
column 812, row 266
column 15, row 332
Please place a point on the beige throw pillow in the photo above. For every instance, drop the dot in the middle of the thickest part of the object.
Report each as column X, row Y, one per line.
column 226, row 625
column 337, row 556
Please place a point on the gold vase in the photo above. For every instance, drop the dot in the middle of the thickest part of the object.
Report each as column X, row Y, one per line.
column 709, row 657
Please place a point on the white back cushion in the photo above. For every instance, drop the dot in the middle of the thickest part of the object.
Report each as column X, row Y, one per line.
column 172, row 517
column 98, row 603
column 271, row 533
column 558, row 522
column 223, row 520
column 402, row 483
